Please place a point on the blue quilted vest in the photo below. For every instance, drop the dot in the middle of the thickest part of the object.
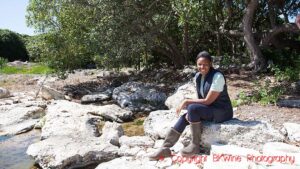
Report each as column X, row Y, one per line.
column 222, row 108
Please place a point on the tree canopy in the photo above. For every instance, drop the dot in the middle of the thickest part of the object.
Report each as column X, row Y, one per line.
column 115, row 33
column 12, row 46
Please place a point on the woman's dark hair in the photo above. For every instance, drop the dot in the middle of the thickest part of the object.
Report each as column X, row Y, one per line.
column 205, row 55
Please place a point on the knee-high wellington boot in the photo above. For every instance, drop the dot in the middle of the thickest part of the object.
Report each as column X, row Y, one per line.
column 194, row 146
column 170, row 140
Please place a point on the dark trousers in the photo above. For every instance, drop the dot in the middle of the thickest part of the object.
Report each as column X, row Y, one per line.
column 195, row 113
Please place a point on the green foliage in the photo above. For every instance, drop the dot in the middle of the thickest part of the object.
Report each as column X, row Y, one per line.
column 268, row 95
column 12, row 46
column 3, row 62
column 288, row 74
column 235, row 103
column 116, row 34
column 244, row 98
column 226, row 61
column 37, row 69
column 122, row 34
column 263, row 94
column 37, row 48
column 139, row 122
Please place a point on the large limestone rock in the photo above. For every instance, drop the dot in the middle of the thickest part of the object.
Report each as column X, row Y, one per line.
column 275, row 155
column 69, row 118
column 111, row 133
column 135, row 141
column 93, row 98
column 131, row 146
column 249, row 134
column 159, row 122
column 186, row 91
column 70, row 138
column 19, row 118
column 143, row 162
column 229, row 157
column 137, row 96
column 126, row 163
column 114, row 113
column 63, row 152
column 20, row 97
column 283, row 167
column 4, row 93
column 284, row 150
column 292, row 130
column 49, row 93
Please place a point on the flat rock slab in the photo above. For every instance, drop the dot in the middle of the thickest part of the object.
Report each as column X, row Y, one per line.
column 49, row 93
column 249, row 134
column 67, row 118
column 63, row 152
column 19, row 118
column 135, row 163
column 70, row 138
column 292, row 130
column 4, row 93
column 93, row 98
column 284, row 150
column 114, row 112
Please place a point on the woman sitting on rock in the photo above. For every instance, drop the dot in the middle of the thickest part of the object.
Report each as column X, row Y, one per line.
column 213, row 104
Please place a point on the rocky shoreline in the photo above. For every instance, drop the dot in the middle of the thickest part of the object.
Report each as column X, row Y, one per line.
column 71, row 137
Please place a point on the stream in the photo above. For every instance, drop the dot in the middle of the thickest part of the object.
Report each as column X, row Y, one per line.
column 13, row 150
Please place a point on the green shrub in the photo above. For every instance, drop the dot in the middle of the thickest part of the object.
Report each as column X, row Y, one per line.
column 263, row 94
column 244, row 98
column 12, row 46
column 268, row 95
column 235, row 103
column 287, row 74
column 3, row 62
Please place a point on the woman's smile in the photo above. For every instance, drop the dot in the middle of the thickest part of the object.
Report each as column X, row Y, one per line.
column 203, row 65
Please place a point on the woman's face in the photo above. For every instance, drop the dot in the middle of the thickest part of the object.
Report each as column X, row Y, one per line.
column 203, row 65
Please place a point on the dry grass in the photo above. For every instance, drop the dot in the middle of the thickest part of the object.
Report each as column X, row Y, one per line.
column 135, row 128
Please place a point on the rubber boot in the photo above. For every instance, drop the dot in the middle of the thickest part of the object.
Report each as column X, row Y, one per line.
column 194, row 146
column 170, row 140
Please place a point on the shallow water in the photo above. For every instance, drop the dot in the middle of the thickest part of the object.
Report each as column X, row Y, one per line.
column 13, row 150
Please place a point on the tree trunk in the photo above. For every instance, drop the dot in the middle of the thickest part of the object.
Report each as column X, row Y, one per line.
column 176, row 55
column 254, row 50
column 272, row 14
column 219, row 44
column 270, row 35
column 186, row 41
column 176, row 59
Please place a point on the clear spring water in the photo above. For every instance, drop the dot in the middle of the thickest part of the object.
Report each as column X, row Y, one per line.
column 13, row 150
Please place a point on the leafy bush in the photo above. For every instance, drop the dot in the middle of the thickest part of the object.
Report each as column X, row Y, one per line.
column 268, row 95
column 235, row 103
column 36, row 47
column 244, row 98
column 11, row 46
column 3, row 62
column 287, row 74
column 263, row 94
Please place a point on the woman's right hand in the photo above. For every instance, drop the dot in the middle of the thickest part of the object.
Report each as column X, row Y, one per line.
column 181, row 106
column 178, row 110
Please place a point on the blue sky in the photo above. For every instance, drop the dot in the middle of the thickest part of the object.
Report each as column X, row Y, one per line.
column 12, row 16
